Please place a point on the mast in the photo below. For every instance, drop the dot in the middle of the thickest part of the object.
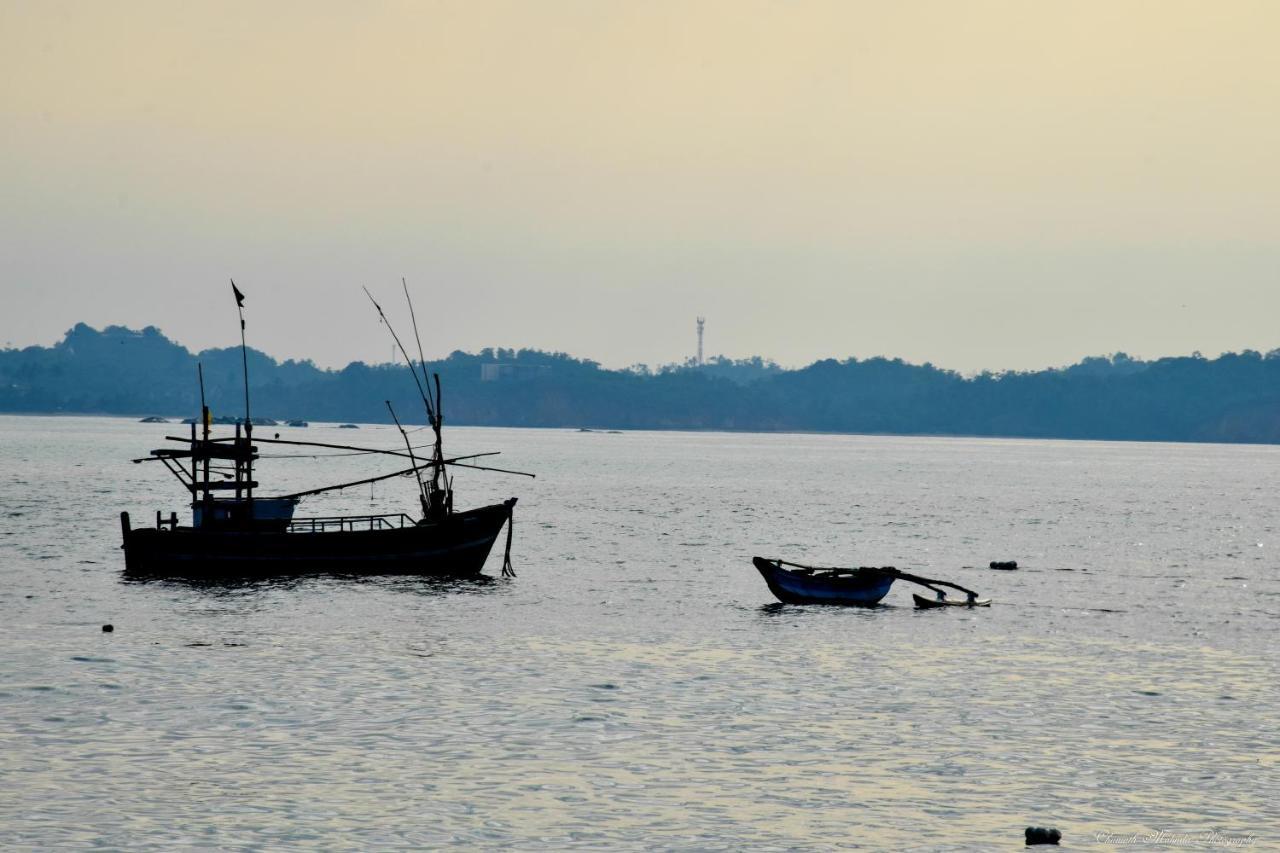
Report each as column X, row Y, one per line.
column 205, row 419
column 441, row 499
column 248, row 422
column 244, row 350
column 445, row 494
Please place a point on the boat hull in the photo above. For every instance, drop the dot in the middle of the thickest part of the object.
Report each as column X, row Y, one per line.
column 458, row 545
column 862, row 588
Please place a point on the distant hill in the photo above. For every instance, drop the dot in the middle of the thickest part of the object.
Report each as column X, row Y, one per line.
column 1232, row 398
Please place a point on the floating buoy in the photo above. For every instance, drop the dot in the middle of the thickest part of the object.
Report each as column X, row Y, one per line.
column 108, row 628
column 1042, row 835
column 1006, row 565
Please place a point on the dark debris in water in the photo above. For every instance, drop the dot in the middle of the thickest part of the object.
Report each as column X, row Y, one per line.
column 1035, row 835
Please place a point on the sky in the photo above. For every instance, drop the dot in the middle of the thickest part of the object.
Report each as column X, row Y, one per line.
column 980, row 185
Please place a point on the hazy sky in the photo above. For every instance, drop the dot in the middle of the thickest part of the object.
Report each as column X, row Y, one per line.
column 977, row 184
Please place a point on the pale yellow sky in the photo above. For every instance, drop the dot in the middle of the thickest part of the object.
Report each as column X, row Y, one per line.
column 982, row 184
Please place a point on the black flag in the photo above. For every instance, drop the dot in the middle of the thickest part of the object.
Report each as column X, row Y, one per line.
column 239, row 295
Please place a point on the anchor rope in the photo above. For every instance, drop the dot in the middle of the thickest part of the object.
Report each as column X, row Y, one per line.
column 508, row 571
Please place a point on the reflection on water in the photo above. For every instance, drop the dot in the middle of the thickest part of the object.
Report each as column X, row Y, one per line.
column 636, row 686
column 399, row 582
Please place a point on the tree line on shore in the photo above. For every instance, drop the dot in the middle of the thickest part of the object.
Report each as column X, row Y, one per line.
column 1232, row 398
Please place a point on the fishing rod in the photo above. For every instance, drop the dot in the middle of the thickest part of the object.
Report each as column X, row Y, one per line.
column 323, row 489
column 455, row 463
column 331, row 446
column 402, row 473
column 359, row 450
column 422, row 392
column 434, row 412
column 334, row 455
column 422, row 361
column 422, row 489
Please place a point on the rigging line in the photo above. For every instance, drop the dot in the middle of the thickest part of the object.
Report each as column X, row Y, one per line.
column 178, row 472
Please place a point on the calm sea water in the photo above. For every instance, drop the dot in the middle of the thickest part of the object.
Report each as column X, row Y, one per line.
column 636, row 687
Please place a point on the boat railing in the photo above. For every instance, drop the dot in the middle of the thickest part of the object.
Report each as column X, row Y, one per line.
column 335, row 523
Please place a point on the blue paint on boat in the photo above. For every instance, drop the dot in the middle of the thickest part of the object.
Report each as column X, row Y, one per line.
column 863, row 587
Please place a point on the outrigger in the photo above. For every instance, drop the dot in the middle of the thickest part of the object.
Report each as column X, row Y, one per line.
column 246, row 534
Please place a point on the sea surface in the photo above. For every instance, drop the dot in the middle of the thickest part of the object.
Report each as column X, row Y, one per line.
column 636, row 687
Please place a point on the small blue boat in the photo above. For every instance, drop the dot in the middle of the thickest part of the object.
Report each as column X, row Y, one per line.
column 808, row 585
column 793, row 583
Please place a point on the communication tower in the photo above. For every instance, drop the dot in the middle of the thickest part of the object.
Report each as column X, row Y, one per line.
column 701, row 322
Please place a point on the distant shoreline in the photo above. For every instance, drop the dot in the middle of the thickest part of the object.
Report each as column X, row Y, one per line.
column 119, row 372
column 602, row 430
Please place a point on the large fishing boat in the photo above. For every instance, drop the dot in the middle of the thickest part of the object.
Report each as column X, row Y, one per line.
column 237, row 532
